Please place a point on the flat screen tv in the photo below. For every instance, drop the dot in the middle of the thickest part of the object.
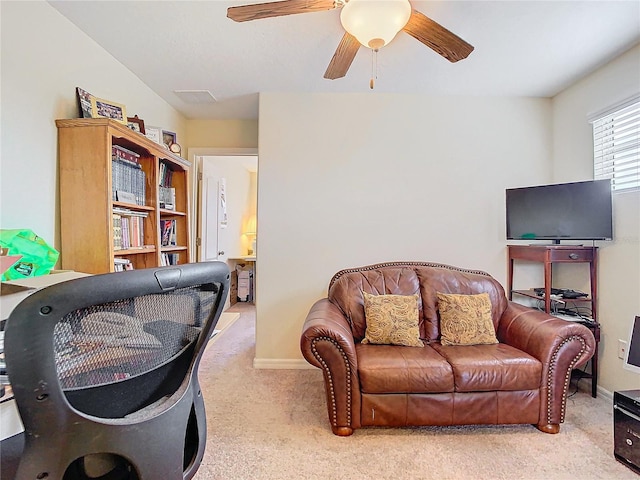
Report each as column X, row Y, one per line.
column 563, row 211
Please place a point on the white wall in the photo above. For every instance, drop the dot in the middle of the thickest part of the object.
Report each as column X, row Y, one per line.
column 619, row 260
column 44, row 58
column 348, row 180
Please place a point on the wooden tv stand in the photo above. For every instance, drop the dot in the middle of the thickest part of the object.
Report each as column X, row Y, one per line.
column 548, row 255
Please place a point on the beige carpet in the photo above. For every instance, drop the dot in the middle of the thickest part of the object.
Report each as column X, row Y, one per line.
column 272, row 424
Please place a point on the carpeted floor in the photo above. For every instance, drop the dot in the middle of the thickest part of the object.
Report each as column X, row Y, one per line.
column 272, row 425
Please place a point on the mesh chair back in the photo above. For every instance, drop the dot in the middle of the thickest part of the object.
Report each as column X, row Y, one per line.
column 104, row 372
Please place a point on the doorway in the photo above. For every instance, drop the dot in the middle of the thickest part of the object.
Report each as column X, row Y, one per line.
column 226, row 213
column 227, row 206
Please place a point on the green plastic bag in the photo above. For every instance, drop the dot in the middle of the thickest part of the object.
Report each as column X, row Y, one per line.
column 38, row 258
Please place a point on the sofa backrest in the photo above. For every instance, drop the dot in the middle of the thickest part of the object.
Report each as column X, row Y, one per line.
column 407, row 278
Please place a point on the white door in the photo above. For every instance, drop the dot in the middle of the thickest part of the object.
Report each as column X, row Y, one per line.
column 211, row 244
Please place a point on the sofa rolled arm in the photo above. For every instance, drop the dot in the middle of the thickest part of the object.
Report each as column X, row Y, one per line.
column 559, row 345
column 327, row 343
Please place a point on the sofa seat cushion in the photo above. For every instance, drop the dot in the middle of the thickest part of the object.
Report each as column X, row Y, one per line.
column 393, row 369
column 485, row 368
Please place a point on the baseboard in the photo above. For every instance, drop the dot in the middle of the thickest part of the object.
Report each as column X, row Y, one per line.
column 605, row 393
column 281, row 364
column 224, row 322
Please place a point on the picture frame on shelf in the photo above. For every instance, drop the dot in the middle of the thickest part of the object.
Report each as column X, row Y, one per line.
column 154, row 134
column 136, row 124
column 168, row 138
column 101, row 108
column 84, row 103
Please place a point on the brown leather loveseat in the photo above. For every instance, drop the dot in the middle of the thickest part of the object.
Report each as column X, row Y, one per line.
column 522, row 379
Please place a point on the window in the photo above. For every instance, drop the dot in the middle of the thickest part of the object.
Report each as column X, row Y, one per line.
column 616, row 145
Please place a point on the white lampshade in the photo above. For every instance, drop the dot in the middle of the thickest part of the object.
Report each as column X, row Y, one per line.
column 375, row 22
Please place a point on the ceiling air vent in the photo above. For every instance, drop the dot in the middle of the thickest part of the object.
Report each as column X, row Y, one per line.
column 195, row 96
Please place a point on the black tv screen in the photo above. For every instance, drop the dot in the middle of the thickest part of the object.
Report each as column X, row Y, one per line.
column 564, row 211
column 632, row 357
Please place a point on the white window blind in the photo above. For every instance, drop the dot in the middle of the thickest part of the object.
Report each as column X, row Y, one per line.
column 616, row 146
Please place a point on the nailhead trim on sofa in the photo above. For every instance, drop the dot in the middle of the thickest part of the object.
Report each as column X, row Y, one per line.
column 334, row 416
column 567, row 379
column 403, row 264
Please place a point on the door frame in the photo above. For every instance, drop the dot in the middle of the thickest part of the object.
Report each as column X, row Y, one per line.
column 209, row 205
column 193, row 156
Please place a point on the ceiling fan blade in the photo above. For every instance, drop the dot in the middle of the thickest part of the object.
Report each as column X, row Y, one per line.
column 343, row 57
column 257, row 11
column 436, row 37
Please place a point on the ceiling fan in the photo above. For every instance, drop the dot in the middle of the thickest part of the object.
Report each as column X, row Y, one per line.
column 372, row 23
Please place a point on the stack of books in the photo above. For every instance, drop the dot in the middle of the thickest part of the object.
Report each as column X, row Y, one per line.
column 128, row 228
column 127, row 177
column 122, row 264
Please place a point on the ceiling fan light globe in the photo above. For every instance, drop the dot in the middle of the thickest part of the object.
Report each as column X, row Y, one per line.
column 373, row 21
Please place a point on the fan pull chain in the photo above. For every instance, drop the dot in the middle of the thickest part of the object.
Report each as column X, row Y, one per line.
column 374, row 67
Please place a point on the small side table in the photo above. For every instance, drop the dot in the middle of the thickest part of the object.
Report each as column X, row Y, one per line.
column 547, row 255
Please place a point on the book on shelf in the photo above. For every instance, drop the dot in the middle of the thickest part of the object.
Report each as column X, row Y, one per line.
column 131, row 228
column 167, row 197
column 124, row 196
column 122, row 264
column 166, row 175
column 169, row 259
column 117, row 231
column 124, row 153
column 168, row 233
column 130, row 213
column 127, row 176
column 136, row 232
column 126, row 244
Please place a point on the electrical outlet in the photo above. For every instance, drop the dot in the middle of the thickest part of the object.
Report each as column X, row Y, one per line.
column 622, row 348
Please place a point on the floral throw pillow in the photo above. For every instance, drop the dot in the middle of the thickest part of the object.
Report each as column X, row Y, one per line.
column 466, row 319
column 392, row 320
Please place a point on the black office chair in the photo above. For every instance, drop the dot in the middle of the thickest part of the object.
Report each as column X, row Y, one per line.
column 104, row 373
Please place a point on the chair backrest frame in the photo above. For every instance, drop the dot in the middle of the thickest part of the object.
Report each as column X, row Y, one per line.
column 57, row 430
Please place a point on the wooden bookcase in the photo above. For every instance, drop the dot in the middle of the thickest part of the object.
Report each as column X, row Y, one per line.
column 87, row 204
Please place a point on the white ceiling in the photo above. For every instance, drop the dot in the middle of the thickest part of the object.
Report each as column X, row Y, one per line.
column 522, row 48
